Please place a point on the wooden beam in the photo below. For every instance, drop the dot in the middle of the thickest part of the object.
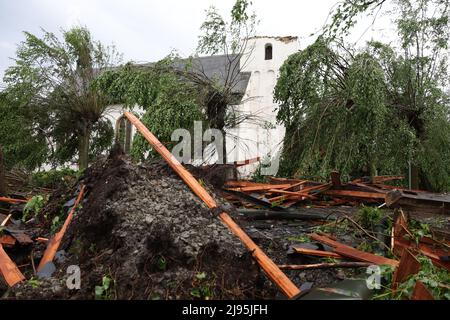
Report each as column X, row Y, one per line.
column 12, row 200
column 269, row 267
column 53, row 244
column 353, row 253
column 246, row 162
column 4, row 222
column 421, row 292
column 355, row 194
column 408, row 266
column 9, row 269
column 317, row 253
column 261, row 188
column 325, row 265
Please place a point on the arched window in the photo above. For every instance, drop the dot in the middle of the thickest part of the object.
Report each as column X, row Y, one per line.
column 268, row 52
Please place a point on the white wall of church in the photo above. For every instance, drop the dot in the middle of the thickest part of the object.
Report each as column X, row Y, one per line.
column 261, row 137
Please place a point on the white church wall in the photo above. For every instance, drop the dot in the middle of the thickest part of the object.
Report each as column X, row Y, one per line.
column 263, row 138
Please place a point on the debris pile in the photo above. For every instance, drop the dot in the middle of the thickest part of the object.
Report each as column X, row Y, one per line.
column 155, row 231
column 141, row 227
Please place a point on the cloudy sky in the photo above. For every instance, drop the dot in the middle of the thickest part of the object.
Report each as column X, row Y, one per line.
column 147, row 30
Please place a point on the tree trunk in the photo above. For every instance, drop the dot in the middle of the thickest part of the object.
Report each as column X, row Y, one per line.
column 414, row 177
column 224, row 152
column 83, row 148
column 3, row 190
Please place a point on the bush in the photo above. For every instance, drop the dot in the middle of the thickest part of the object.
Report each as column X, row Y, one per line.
column 54, row 178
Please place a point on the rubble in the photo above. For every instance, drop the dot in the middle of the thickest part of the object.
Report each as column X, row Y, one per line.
column 152, row 231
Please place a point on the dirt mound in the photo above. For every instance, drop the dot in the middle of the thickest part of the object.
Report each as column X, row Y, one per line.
column 141, row 227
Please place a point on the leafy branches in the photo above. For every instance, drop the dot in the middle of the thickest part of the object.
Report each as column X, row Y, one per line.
column 373, row 110
column 49, row 88
column 169, row 102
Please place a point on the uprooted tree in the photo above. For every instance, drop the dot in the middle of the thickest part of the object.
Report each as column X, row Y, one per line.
column 374, row 110
column 49, row 99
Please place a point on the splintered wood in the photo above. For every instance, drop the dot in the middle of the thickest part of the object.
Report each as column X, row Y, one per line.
column 53, row 244
column 9, row 270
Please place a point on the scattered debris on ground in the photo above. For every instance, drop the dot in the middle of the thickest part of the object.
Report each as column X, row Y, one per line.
column 139, row 231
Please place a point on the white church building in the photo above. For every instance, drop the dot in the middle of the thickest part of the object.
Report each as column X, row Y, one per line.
column 258, row 70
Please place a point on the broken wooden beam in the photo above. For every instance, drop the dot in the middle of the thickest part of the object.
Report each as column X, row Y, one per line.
column 418, row 201
column 353, row 253
column 4, row 222
column 53, row 244
column 269, row 267
column 291, row 214
column 421, row 292
column 317, row 253
column 260, row 188
column 9, row 270
column 325, row 265
column 12, row 200
column 246, row 162
column 408, row 266
column 355, row 194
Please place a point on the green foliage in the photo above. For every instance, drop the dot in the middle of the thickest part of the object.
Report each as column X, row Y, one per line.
column 22, row 145
column 369, row 217
column 419, row 230
column 35, row 283
column 33, row 206
column 346, row 14
column 161, row 263
column 169, row 102
column 335, row 109
column 104, row 291
column 203, row 289
column 54, row 178
column 227, row 37
column 50, row 102
column 56, row 224
column 434, row 278
column 369, row 111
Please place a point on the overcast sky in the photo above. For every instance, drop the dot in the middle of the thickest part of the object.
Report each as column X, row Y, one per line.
column 147, row 30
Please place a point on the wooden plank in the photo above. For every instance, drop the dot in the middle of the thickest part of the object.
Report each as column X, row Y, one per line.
column 303, row 193
column 269, row 267
column 53, row 244
column 365, row 256
column 353, row 253
column 421, row 292
column 261, row 188
column 408, row 266
column 12, row 200
column 325, row 265
column 9, row 270
column 246, row 162
column 355, row 194
column 318, row 253
column 7, row 241
column 293, row 193
column 242, row 183
column 435, row 254
column 378, row 179
column 4, row 222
